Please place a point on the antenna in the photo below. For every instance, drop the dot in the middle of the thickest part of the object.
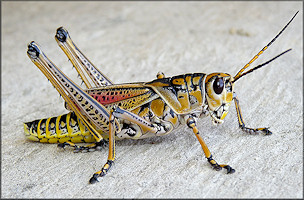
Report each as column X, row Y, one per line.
column 261, row 65
column 239, row 74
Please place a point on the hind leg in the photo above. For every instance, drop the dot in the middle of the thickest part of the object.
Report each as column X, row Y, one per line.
column 79, row 60
column 87, row 109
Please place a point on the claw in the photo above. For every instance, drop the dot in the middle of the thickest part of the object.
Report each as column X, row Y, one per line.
column 267, row 131
column 217, row 167
column 230, row 170
column 94, row 179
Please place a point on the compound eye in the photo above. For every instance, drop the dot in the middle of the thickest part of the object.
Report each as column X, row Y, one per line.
column 218, row 85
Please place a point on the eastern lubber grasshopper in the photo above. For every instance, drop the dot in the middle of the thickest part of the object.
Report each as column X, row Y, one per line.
column 108, row 111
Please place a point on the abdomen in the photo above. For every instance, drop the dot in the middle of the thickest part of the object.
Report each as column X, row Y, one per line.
column 59, row 129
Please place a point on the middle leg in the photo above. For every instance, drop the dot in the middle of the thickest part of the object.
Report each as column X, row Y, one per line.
column 192, row 124
column 144, row 126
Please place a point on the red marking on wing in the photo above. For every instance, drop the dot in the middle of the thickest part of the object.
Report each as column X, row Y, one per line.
column 114, row 96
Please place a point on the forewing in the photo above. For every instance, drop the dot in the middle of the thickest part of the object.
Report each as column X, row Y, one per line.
column 127, row 96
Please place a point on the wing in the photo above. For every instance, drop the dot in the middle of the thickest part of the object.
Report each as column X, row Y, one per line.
column 127, row 96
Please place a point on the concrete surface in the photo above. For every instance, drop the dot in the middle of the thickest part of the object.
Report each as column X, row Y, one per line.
column 132, row 41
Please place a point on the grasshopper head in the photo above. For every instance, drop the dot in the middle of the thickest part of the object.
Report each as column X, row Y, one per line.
column 219, row 89
column 219, row 86
column 219, row 94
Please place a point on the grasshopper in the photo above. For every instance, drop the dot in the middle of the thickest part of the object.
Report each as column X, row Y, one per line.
column 106, row 112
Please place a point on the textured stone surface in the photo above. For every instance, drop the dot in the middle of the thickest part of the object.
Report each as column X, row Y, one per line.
column 132, row 41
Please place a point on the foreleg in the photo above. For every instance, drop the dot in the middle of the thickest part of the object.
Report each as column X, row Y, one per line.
column 241, row 121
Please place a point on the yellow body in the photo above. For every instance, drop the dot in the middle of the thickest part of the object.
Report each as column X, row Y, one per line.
column 164, row 104
column 134, row 110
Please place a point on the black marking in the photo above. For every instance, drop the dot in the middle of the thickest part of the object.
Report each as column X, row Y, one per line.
column 143, row 107
column 33, row 51
column 127, row 128
column 52, row 122
column 191, row 121
column 172, row 113
column 61, row 34
column 200, row 83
